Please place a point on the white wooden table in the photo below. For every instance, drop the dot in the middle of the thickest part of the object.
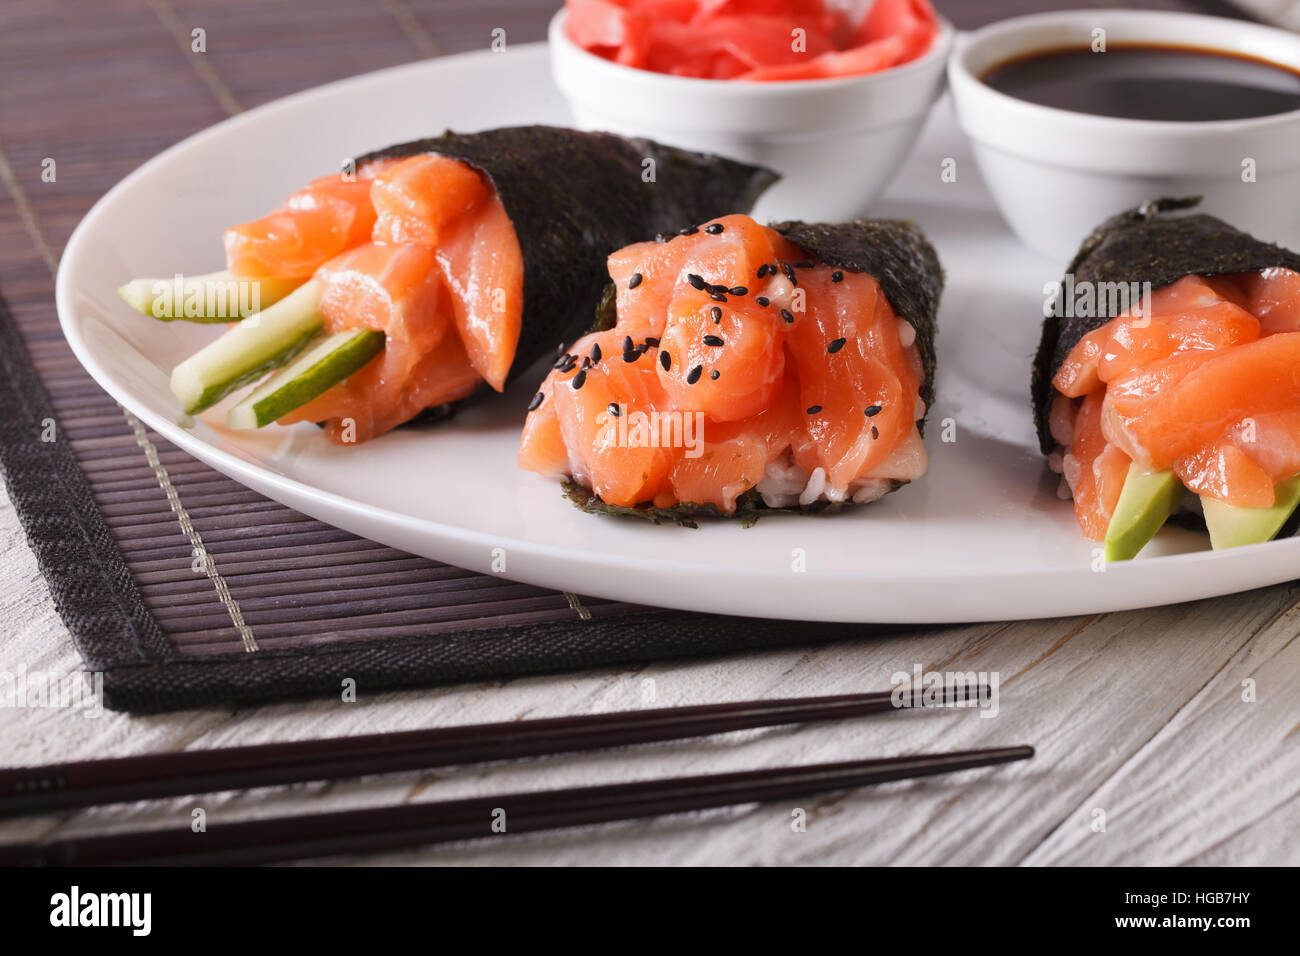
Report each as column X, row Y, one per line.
column 1139, row 715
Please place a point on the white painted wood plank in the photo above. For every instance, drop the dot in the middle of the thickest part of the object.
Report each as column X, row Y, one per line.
column 1219, row 781
column 1094, row 695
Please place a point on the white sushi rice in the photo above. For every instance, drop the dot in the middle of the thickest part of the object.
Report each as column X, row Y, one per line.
column 785, row 485
column 906, row 333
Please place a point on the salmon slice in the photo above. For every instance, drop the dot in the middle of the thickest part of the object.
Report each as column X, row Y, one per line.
column 1095, row 470
column 857, row 387
column 1135, row 343
column 1161, row 419
column 417, row 199
column 1274, row 297
column 722, row 473
column 314, row 225
column 483, row 266
column 1192, row 313
column 728, row 257
column 397, row 290
column 618, row 445
column 1225, row 472
column 726, row 361
column 1272, row 440
column 735, row 455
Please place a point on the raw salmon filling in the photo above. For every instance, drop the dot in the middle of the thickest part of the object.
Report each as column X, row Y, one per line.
column 1203, row 378
column 420, row 249
column 737, row 365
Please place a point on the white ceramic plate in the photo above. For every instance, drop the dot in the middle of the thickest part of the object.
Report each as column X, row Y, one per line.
column 981, row 537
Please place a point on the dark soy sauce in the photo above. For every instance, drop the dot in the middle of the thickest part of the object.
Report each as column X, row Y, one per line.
column 1143, row 82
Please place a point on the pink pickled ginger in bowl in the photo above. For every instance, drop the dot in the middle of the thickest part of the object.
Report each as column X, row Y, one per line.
column 756, row 40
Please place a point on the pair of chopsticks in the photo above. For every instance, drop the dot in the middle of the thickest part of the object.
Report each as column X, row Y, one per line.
column 28, row 790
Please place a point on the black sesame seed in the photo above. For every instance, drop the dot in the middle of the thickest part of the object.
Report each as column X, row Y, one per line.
column 628, row 344
column 835, row 346
column 871, row 411
column 660, row 237
column 875, row 432
column 651, row 342
column 564, row 362
column 714, row 340
column 614, row 409
column 714, row 374
column 696, row 281
column 536, row 401
column 631, row 355
column 716, row 315
column 586, row 362
column 739, row 290
column 814, row 409
column 787, row 315
column 595, row 351
column 789, row 272
column 635, row 281
column 579, row 380
column 762, row 270
column 717, row 297
column 694, row 375
column 714, row 228
column 666, row 361
column 688, row 231
column 764, row 301
column 837, row 276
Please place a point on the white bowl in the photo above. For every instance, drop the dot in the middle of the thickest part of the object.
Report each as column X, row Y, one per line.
column 836, row 142
column 1055, row 174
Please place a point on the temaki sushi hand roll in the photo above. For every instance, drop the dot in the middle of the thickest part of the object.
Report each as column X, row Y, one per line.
column 435, row 268
column 1185, row 403
column 740, row 369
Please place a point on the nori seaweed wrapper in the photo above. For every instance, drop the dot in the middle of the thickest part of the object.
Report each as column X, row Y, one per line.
column 1152, row 243
column 575, row 197
column 894, row 252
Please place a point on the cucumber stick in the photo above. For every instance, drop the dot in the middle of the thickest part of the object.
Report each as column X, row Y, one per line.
column 326, row 361
column 248, row 351
column 215, row 297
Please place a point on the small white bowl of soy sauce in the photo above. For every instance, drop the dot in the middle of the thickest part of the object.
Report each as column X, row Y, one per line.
column 1077, row 115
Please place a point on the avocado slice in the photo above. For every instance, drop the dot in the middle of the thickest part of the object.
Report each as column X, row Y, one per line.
column 247, row 351
column 327, row 360
column 1231, row 526
column 214, row 297
column 1147, row 499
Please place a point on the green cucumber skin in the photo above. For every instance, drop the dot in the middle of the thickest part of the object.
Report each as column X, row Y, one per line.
column 139, row 295
column 215, row 393
column 249, row 350
column 358, row 349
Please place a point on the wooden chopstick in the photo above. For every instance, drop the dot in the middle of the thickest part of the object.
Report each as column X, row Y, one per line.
column 390, row 828
column 41, row 789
